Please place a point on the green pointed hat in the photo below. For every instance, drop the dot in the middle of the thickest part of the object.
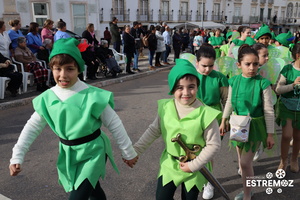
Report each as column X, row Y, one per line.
column 264, row 29
column 68, row 46
column 283, row 38
column 181, row 68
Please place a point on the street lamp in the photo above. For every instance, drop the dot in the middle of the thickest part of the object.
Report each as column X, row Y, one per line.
column 202, row 18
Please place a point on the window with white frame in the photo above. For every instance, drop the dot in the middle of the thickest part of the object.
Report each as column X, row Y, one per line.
column 200, row 8
column 119, row 7
column 184, row 8
column 143, row 7
column 237, row 11
column 289, row 12
column 165, row 7
column 79, row 17
column 216, row 9
column 40, row 12
column 253, row 11
column 296, row 10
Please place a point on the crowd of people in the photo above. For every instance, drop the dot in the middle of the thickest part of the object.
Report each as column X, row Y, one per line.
column 207, row 95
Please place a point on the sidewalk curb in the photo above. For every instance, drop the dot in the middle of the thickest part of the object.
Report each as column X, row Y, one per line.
column 25, row 101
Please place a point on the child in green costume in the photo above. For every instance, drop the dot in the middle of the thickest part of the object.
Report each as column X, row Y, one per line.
column 75, row 112
column 213, row 90
column 225, row 48
column 250, row 94
column 197, row 124
column 264, row 36
column 245, row 33
column 217, row 41
column 287, row 114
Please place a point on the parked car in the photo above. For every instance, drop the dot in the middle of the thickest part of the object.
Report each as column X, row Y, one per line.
column 24, row 30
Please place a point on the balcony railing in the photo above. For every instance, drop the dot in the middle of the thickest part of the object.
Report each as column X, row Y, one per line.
column 199, row 17
column 253, row 19
column 216, row 18
column 237, row 19
column 281, row 20
column 183, row 18
column 142, row 18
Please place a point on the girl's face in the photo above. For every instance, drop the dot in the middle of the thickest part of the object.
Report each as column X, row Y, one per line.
column 249, row 65
column 186, row 90
column 65, row 75
column 263, row 56
column 277, row 44
column 246, row 33
column 3, row 27
column 265, row 39
column 205, row 65
column 127, row 29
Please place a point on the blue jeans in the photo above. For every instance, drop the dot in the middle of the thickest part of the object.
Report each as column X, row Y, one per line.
column 151, row 55
column 167, row 52
column 136, row 59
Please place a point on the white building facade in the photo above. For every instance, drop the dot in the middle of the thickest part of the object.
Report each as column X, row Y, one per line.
column 281, row 15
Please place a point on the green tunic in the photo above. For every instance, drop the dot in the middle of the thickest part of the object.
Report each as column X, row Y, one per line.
column 76, row 117
column 225, row 48
column 209, row 88
column 247, row 99
column 216, row 41
column 250, row 41
column 191, row 128
column 282, row 113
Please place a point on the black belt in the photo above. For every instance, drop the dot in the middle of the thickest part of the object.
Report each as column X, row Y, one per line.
column 81, row 140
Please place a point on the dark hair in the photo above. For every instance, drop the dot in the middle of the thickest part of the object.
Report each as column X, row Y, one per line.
column 1, row 23
column 258, row 46
column 13, row 22
column 158, row 27
column 206, row 51
column 61, row 24
column 62, row 59
column 32, row 27
column 295, row 50
column 245, row 49
column 135, row 23
column 114, row 19
column 188, row 77
column 242, row 29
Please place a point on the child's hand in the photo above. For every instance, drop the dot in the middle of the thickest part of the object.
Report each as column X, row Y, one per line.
column 131, row 162
column 184, row 167
column 15, row 169
column 297, row 81
column 270, row 141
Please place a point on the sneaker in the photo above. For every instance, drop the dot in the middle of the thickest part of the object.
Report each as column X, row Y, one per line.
column 208, row 191
column 239, row 172
column 259, row 151
column 152, row 68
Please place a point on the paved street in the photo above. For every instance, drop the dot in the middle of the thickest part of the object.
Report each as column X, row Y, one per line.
column 136, row 105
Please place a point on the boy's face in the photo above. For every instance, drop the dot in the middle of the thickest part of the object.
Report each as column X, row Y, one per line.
column 205, row 65
column 265, row 39
column 66, row 75
column 186, row 90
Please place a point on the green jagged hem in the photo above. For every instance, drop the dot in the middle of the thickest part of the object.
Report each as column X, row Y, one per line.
column 282, row 114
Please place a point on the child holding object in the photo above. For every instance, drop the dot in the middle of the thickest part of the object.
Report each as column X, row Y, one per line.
column 250, row 94
column 75, row 112
column 288, row 110
column 197, row 124
column 210, row 80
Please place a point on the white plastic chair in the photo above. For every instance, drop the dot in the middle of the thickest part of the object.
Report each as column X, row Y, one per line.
column 26, row 75
column 3, row 82
column 120, row 58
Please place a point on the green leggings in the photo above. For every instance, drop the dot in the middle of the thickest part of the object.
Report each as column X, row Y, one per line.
column 167, row 192
column 86, row 192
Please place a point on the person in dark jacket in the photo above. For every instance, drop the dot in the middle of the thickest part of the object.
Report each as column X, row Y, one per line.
column 129, row 47
column 152, row 45
column 7, row 70
column 176, row 43
column 115, row 34
column 89, row 34
column 89, row 58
